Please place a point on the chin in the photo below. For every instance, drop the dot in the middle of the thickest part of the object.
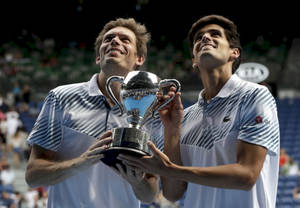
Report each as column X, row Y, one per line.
column 112, row 60
column 206, row 55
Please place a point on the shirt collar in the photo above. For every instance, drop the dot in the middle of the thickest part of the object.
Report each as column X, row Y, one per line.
column 93, row 88
column 226, row 90
column 229, row 87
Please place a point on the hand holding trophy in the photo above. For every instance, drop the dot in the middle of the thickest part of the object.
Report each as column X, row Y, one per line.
column 138, row 100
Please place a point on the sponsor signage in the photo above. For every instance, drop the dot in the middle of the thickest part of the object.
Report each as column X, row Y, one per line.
column 253, row 72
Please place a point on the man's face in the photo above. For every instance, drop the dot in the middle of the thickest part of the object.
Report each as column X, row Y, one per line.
column 119, row 47
column 211, row 46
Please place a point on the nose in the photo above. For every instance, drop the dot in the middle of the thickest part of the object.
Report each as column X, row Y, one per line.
column 115, row 41
column 205, row 38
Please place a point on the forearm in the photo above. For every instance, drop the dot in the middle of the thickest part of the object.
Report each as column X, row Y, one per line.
column 44, row 172
column 232, row 176
column 172, row 145
column 147, row 189
column 173, row 189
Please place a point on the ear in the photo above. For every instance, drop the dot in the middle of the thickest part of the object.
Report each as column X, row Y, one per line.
column 235, row 53
column 98, row 60
column 140, row 60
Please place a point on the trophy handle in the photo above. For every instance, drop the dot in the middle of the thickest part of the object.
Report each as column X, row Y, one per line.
column 166, row 83
column 110, row 93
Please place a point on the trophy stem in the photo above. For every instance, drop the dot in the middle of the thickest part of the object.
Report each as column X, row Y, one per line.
column 135, row 121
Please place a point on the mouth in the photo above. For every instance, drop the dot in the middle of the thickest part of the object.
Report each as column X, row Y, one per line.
column 207, row 46
column 115, row 51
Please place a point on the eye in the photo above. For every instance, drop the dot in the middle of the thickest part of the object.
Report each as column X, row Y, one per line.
column 215, row 34
column 107, row 39
column 198, row 38
column 125, row 40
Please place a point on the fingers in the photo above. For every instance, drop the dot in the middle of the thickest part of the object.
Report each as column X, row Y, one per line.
column 135, row 172
column 104, row 135
column 129, row 160
column 128, row 172
column 116, row 170
column 161, row 97
column 154, row 149
column 177, row 100
column 120, row 169
column 101, row 143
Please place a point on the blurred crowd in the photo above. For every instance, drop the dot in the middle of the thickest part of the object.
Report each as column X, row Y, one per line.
column 30, row 67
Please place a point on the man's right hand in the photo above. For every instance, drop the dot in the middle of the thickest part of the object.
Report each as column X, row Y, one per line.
column 94, row 153
column 45, row 168
column 171, row 114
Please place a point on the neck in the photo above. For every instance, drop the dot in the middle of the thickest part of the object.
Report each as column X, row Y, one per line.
column 103, row 76
column 213, row 80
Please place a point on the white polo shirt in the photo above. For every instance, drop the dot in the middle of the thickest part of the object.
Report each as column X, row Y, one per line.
column 241, row 111
column 71, row 119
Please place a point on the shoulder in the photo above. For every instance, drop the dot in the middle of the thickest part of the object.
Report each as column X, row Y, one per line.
column 68, row 92
column 249, row 91
column 68, row 89
column 250, row 87
column 64, row 94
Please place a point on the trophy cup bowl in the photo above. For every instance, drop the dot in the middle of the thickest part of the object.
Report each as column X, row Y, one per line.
column 138, row 101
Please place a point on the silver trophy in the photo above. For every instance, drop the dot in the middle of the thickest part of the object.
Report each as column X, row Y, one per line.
column 138, row 101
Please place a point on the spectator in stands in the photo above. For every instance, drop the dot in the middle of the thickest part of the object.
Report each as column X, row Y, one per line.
column 3, row 105
column 34, row 110
column 283, row 158
column 7, row 175
column 17, row 93
column 18, row 146
column 283, row 162
column 42, row 199
column 227, row 145
column 290, row 168
column 3, row 132
column 296, row 192
column 6, row 200
column 30, row 198
column 65, row 153
column 18, row 199
column 26, row 92
column 12, row 122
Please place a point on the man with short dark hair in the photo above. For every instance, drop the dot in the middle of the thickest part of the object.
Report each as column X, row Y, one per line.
column 226, row 151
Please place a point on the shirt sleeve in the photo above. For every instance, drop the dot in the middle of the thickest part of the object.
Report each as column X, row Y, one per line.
column 259, row 121
column 47, row 130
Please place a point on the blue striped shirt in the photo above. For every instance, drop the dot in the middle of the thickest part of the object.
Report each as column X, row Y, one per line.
column 71, row 119
column 81, row 107
column 240, row 111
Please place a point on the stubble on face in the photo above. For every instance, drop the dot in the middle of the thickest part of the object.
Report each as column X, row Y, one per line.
column 118, row 48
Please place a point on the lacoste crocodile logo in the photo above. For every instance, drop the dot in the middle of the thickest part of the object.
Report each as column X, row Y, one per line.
column 226, row 119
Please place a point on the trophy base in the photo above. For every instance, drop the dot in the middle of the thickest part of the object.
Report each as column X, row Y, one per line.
column 131, row 141
column 112, row 153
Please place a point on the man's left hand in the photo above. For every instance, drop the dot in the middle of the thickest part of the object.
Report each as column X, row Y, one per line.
column 155, row 164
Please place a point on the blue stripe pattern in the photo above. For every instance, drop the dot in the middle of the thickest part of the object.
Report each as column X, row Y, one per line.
column 73, row 107
column 206, row 123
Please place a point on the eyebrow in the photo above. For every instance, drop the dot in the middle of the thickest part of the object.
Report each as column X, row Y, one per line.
column 117, row 34
column 209, row 31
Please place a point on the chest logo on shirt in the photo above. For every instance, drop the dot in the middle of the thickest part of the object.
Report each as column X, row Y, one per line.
column 226, row 119
column 258, row 119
